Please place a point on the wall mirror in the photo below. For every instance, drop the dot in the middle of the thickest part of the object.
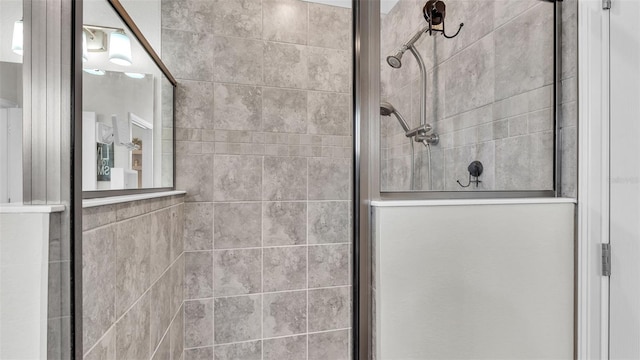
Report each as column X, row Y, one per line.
column 127, row 102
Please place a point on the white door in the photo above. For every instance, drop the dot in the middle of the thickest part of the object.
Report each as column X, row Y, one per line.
column 624, row 336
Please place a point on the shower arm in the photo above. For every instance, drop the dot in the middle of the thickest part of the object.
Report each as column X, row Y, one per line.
column 415, row 38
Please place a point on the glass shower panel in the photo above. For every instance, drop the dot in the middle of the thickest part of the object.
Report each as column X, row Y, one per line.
column 467, row 91
column 11, row 52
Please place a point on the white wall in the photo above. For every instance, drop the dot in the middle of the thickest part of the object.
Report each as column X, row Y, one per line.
column 24, row 257
column 475, row 281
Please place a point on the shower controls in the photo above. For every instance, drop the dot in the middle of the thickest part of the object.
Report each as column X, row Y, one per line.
column 475, row 170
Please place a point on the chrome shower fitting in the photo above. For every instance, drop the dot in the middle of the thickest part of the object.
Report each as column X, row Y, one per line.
column 386, row 109
column 427, row 139
column 419, row 134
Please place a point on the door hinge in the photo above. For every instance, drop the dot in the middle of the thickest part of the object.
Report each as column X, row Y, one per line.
column 606, row 4
column 606, row 260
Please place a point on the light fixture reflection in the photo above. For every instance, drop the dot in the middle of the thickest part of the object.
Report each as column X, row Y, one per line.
column 94, row 71
column 85, row 53
column 16, row 42
column 135, row 75
column 120, row 48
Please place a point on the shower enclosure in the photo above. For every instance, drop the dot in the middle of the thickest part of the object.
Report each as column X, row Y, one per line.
column 465, row 145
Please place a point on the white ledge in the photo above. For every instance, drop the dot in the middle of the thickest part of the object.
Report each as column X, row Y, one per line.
column 19, row 208
column 87, row 203
column 462, row 202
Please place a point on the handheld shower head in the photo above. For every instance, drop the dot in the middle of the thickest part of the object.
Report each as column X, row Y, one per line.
column 386, row 109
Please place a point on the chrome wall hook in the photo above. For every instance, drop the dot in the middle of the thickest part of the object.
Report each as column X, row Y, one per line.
column 475, row 170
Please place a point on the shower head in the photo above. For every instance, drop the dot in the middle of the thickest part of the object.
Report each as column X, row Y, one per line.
column 395, row 60
column 386, row 109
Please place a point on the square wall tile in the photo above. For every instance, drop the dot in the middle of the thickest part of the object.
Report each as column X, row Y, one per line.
column 329, row 17
column 285, row 21
column 237, row 178
column 329, row 265
column 238, row 318
column 329, row 113
column 241, row 18
column 198, row 226
column 285, row 268
column 189, row 55
column 284, row 110
column 237, row 107
column 329, row 222
column 329, row 308
column 203, row 353
column 329, row 70
column 285, row 65
column 284, row 178
column 194, row 174
column 329, row 345
column 284, row 313
column 194, row 108
column 198, row 274
column 237, row 60
column 187, row 15
column 238, row 272
column 198, row 323
column 291, row 347
column 237, row 225
column 284, row 223
column 329, row 179
column 251, row 350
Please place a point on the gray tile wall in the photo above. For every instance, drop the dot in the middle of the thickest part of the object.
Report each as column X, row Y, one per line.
column 59, row 301
column 263, row 144
column 133, row 279
column 490, row 96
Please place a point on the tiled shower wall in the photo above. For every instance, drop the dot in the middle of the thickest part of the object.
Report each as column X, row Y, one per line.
column 58, row 301
column 133, row 279
column 489, row 96
column 263, row 150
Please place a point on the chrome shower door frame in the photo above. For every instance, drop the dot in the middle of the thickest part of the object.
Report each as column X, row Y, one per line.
column 366, row 160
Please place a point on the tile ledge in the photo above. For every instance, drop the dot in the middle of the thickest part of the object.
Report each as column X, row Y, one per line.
column 461, row 202
column 19, row 208
column 88, row 203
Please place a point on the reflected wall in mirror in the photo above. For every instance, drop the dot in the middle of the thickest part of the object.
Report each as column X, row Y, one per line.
column 127, row 106
column 486, row 93
column 11, row 52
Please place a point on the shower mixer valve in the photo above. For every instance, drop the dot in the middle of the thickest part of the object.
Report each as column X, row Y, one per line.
column 427, row 139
